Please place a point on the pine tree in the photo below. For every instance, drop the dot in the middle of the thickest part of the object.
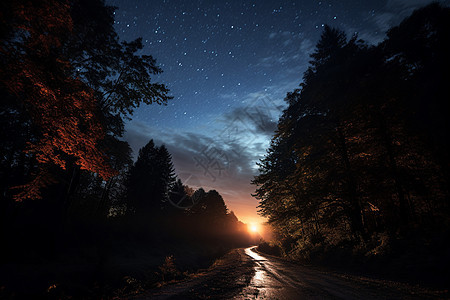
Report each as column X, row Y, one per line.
column 150, row 180
column 356, row 152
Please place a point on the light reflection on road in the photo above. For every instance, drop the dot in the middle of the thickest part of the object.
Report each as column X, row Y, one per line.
column 276, row 278
column 259, row 278
column 266, row 283
column 250, row 252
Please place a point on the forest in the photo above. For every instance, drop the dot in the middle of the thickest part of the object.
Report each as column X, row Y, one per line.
column 80, row 218
column 357, row 173
column 356, row 176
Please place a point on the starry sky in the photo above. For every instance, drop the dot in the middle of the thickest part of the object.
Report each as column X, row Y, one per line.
column 229, row 64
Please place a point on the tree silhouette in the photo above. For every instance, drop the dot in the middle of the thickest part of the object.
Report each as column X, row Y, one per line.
column 150, row 180
column 70, row 82
column 178, row 196
column 349, row 157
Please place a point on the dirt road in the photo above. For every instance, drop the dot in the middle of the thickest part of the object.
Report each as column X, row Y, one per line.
column 246, row 274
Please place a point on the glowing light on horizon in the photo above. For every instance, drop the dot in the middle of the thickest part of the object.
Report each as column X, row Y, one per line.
column 253, row 228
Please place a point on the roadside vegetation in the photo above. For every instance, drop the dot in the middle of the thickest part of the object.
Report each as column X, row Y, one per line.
column 78, row 217
column 357, row 173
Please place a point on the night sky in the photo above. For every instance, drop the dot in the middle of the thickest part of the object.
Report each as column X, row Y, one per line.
column 229, row 65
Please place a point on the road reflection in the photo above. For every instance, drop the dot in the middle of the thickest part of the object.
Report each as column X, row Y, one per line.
column 275, row 278
column 260, row 273
column 250, row 252
column 264, row 285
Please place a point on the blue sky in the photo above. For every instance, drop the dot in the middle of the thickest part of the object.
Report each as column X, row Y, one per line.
column 229, row 64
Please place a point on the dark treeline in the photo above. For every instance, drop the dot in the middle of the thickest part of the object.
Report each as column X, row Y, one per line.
column 78, row 217
column 358, row 169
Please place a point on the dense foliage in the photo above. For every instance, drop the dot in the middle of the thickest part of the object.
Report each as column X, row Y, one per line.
column 360, row 159
column 70, row 194
column 68, row 82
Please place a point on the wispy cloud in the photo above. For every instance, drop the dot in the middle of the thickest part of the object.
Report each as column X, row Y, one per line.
column 307, row 46
column 391, row 15
column 258, row 119
column 223, row 158
column 296, row 53
column 280, row 34
column 208, row 162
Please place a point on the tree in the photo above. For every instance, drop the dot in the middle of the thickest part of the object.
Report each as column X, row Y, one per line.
column 209, row 210
column 417, row 49
column 69, row 81
column 167, row 176
column 96, row 197
column 178, row 195
column 352, row 148
column 306, row 183
column 150, row 179
column 60, row 108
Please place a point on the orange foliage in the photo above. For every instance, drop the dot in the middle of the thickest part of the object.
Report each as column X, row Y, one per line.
column 61, row 107
column 45, row 21
column 32, row 190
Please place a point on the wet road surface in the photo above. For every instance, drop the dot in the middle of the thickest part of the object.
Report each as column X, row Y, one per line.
column 247, row 274
column 278, row 279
